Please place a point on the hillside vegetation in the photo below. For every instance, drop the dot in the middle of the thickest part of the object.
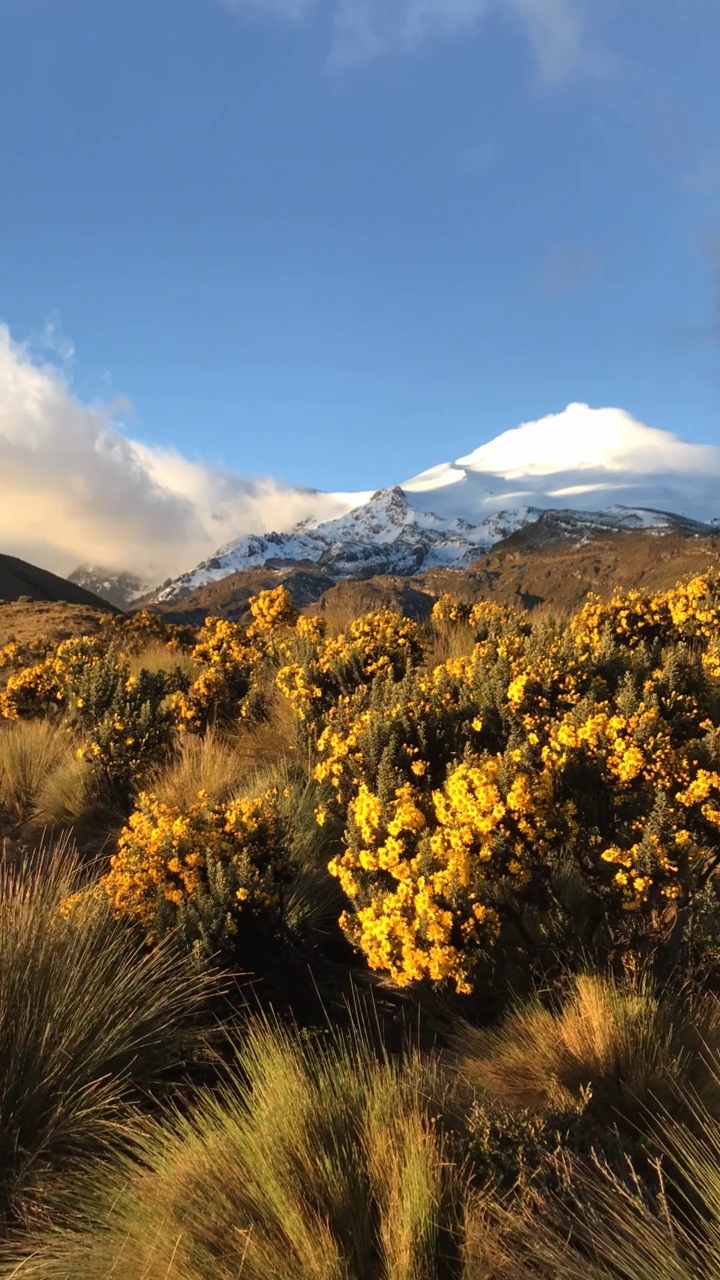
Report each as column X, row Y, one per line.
column 370, row 948
column 540, row 566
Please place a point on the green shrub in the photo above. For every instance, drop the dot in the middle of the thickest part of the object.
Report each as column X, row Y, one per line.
column 124, row 720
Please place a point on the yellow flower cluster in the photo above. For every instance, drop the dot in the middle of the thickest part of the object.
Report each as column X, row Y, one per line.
column 30, row 691
column 14, row 656
column 461, row 786
column 421, row 922
column 271, row 610
column 330, row 669
column 447, row 611
column 598, row 744
column 164, row 856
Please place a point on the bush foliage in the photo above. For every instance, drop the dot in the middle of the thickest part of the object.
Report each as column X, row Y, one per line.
column 507, row 830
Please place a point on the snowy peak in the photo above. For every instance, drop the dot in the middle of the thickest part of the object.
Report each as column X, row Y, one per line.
column 593, row 468
column 585, row 439
column 119, row 589
column 583, row 458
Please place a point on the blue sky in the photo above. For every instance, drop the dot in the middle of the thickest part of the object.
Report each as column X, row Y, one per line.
column 339, row 241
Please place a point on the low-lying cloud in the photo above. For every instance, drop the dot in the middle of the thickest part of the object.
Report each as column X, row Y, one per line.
column 74, row 488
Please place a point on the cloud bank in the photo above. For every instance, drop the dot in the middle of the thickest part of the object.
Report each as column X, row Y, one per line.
column 556, row 31
column 581, row 459
column 75, row 489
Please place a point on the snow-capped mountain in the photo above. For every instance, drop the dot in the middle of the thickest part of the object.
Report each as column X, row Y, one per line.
column 120, row 589
column 384, row 535
column 599, row 467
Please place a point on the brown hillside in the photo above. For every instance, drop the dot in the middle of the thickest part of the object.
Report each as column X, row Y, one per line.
column 348, row 599
column 42, row 619
column 228, row 598
column 18, row 578
column 530, row 572
column 35, row 603
column 537, row 567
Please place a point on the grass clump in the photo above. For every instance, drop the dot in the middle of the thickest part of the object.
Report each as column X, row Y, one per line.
column 89, row 1022
column 311, row 1162
column 621, row 1226
column 206, row 763
column 157, row 656
column 42, row 781
column 620, row 1043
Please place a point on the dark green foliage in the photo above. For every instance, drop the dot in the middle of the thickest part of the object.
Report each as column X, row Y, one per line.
column 123, row 718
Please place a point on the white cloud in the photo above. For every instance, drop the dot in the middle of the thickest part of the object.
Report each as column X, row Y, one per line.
column 54, row 341
column 366, row 29
column 75, row 489
column 583, row 459
column 557, row 31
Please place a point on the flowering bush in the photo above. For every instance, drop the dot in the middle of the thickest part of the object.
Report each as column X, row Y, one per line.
column 124, row 723
column 455, row 792
column 375, row 645
column 178, row 868
column 466, row 789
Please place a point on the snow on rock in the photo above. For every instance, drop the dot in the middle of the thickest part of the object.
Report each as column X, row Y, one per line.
column 600, row 467
column 581, row 459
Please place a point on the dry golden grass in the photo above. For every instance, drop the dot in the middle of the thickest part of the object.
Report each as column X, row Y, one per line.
column 446, row 642
column 89, row 1020
column 41, row 779
column 311, row 1163
column 272, row 740
column 623, row 1043
column 158, row 657
column 40, row 620
column 210, row 763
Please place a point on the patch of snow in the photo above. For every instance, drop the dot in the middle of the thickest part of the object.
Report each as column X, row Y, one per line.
column 600, row 468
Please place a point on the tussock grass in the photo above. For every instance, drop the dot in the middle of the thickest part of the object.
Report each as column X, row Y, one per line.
column 88, row 1022
column 311, row 1163
column 621, row 1227
column 158, row 657
column 272, row 740
column 41, row 778
column 630, row 1048
column 209, row 763
column 446, row 641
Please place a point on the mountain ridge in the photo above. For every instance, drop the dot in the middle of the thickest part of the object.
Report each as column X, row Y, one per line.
column 592, row 468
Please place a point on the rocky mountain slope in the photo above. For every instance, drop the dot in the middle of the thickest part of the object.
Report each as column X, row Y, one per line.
column 120, row 589
column 570, row 476
column 540, row 566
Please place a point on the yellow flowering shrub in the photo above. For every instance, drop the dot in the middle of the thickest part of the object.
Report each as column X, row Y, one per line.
column 231, row 659
column 14, row 655
column 124, row 720
column 210, row 861
column 31, row 691
column 271, row 611
column 456, row 795
column 380, row 644
column 449, row 611
column 599, row 744
column 224, row 658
